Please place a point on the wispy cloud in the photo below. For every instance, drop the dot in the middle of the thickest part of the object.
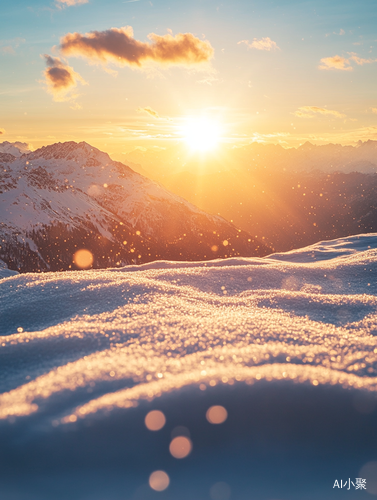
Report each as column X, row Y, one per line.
column 9, row 46
column 61, row 79
column 118, row 45
column 69, row 3
column 360, row 60
column 209, row 80
column 261, row 44
column 8, row 49
column 152, row 112
column 311, row 111
column 374, row 110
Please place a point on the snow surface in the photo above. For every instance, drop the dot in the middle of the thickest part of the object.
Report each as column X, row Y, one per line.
column 286, row 344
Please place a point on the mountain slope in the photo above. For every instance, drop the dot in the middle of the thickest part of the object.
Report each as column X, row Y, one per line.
column 68, row 196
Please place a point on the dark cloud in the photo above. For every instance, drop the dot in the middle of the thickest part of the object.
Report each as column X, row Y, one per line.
column 118, row 45
column 60, row 78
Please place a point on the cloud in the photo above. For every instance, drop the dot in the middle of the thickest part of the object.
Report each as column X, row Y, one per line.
column 374, row 110
column 8, row 49
column 262, row 44
column 69, row 3
column 208, row 80
column 336, row 62
column 9, row 46
column 118, row 45
column 152, row 112
column 61, row 79
column 2, row 131
column 359, row 60
column 310, row 111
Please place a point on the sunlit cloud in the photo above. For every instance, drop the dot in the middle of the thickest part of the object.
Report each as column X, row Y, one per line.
column 256, row 137
column 359, row 60
column 69, row 3
column 61, row 79
column 335, row 62
column 118, row 45
column 311, row 111
column 342, row 63
column 262, row 44
column 152, row 112
column 2, row 131
column 374, row 110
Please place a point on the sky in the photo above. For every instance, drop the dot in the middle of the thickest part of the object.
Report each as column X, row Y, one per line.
column 133, row 74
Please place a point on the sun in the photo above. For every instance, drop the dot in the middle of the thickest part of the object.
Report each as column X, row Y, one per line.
column 201, row 134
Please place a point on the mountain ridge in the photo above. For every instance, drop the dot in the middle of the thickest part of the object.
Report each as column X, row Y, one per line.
column 69, row 195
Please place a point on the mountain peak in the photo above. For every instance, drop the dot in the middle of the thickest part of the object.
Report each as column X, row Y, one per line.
column 69, row 150
column 306, row 146
column 16, row 149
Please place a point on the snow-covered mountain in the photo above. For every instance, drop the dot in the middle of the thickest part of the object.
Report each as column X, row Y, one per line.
column 68, row 196
column 16, row 149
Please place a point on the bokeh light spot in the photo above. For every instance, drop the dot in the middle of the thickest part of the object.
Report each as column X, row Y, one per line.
column 180, row 447
column 159, row 480
column 155, row 420
column 216, row 414
column 83, row 258
column 369, row 472
column 220, row 491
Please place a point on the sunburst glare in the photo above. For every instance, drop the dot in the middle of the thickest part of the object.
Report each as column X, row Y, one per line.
column 201, row 133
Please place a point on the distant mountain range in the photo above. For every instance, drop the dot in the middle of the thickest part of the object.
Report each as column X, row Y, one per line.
column 289, row 198
column 330, row 158
column 68, row 196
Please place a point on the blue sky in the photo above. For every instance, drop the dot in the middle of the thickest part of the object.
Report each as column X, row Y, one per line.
column 257, row 93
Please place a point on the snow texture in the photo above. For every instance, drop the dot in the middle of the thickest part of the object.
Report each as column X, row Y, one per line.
column 286, row 344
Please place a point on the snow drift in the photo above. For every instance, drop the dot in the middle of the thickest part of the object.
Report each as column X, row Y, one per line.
column 286, row 344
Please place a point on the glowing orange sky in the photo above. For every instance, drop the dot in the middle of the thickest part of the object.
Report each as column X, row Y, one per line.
column 128, row 75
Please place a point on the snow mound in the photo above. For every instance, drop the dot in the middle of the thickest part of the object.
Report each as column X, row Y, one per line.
column 287, row 347
column 4, row 271
column 324, row 250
